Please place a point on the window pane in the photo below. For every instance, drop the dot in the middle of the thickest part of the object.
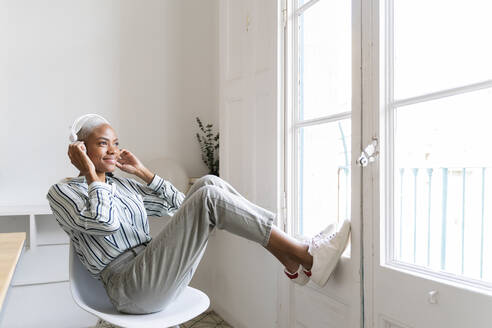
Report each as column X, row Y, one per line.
column 324, row 175
column 443, row 180
column 325, row 59
column 441, row 44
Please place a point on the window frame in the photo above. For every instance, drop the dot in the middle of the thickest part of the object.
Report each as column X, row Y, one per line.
column 293, row 125
column 388, row 108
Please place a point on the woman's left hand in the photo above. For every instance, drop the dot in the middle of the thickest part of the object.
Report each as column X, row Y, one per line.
column 128, row 162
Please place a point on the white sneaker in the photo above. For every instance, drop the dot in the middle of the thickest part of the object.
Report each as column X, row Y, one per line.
column 302, row 275
column 326, row 250
column 328, row 230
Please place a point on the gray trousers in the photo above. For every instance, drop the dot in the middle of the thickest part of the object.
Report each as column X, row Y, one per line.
column 148, row 277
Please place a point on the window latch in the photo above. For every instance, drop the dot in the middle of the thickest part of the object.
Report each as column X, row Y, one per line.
column 369, row 154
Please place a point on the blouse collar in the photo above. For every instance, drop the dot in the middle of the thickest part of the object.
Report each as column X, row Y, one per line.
column 109, row 176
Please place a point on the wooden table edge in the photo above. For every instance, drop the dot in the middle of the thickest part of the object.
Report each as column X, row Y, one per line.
column 11, row 256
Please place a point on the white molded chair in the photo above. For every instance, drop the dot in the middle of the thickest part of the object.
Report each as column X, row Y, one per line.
column 91, row 296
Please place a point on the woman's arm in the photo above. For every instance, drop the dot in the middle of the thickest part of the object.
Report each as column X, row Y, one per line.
column 160, row 196
column 145, row 174
column 93, row 215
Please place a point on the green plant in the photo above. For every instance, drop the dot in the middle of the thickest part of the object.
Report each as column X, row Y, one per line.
column 209, row 145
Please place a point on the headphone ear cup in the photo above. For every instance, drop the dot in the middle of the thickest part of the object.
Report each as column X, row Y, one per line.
column 73, row 137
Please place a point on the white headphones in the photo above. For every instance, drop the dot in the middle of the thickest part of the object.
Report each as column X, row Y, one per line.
column 79, row 123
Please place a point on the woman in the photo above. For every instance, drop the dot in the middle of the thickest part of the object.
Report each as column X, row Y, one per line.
column 106, row 219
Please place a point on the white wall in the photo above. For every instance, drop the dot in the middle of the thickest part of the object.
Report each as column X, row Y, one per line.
column 148, row 66
column 62, row 60
column 168, row 77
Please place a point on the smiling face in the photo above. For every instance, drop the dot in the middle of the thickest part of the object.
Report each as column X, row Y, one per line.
column 103, row 148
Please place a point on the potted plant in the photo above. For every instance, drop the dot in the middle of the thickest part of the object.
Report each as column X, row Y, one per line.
column 209, row 146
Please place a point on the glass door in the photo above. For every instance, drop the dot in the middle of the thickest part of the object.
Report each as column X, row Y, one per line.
column 432, row 221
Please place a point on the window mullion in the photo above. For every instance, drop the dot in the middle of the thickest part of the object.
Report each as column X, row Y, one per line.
column 443, row 94
column 322, row 120
column 389, row 130
column 294, row 114
column 304, row 7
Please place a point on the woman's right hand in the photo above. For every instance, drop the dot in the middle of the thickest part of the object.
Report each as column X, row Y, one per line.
column 79, row 158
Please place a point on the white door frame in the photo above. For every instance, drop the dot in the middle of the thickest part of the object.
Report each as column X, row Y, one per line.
column 370, row 123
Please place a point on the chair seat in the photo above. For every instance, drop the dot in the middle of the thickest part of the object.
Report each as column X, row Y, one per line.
column 91, row 296
column 188, row 305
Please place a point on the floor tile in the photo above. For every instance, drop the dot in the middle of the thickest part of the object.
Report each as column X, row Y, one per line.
column 207, row 320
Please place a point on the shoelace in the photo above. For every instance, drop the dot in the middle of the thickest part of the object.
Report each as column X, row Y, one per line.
column 320, row 239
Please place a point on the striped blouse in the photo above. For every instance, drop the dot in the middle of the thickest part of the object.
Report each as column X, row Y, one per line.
column 105, row 219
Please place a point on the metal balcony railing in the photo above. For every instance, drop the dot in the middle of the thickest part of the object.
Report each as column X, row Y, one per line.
column 445, row 209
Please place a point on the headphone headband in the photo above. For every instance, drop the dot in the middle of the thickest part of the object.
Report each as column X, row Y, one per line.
column 79, row 123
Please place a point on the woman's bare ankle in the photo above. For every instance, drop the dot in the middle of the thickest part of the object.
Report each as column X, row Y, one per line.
column 292, row 267
column 305, row 258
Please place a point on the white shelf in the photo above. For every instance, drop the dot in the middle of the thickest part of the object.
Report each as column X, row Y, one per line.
column 31, row 210
column 45, row 257
column 42, row 265
column 24, row 209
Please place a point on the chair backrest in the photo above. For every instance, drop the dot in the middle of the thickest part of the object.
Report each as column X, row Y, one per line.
column 86, row 291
